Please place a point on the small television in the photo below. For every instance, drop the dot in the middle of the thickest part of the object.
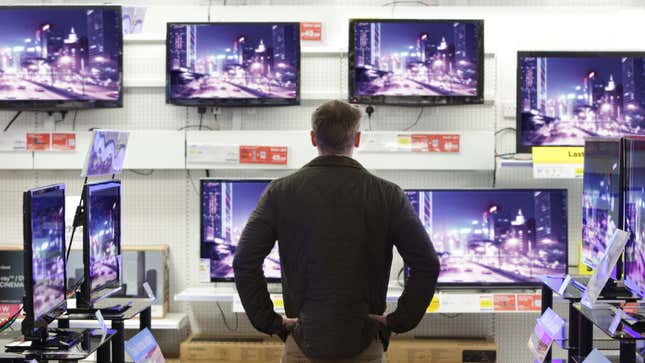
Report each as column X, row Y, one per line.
column 416, row 62
column 495, row 237
column 44, row 259
column 565, row 97
column 60, row 57
column 226, row 206
column 101, row 242
column 233, row 64
column 635, row 215
column 602, row 198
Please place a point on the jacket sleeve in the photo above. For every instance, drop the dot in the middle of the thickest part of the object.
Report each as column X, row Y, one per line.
column 256, row 242
column 412, row 241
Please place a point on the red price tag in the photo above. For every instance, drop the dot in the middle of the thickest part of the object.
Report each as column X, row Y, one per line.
column 505, row 302
column 7, row 311
column 38, row 141
column 274, row 155
column 63, row 142
column 311, row 31
column 529, row 302
column 436, row 143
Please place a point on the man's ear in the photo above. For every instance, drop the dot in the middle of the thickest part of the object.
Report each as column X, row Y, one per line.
column 313, row 139
column 357, row 139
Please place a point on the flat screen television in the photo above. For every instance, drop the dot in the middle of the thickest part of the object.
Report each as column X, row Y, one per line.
column 101, row 242
column 233, row 64
column 635, row 215
column 225, row 208
column 565, row 97
column 60, row 57
column 416, row 62
column 44, row 258
column 495, row 237
column 602, row 198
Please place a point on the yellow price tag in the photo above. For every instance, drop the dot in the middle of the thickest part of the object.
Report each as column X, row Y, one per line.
column 404, row 140
column 486, row 302
column 278, row 303
column 435, row 304
column 559, row 155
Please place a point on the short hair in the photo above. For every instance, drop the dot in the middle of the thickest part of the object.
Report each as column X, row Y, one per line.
column 335, row 124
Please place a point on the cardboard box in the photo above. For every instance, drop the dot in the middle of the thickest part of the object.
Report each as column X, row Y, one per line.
column 230, row 349
column 441, row 351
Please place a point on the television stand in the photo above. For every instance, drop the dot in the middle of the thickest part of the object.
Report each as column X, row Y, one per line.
column 51, row 339
column 108, row 310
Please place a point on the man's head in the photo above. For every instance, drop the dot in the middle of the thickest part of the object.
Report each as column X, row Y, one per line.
column 335, row 128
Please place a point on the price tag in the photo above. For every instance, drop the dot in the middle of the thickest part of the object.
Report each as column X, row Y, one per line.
column 565, row 284
column 278, row 303
column 596, row 357
column 558, row 162
column 204, row 270
column 615, row 322
column 486, row 303
column 102, row 326
column 547, row 328
column 38, row 141
column 151, row 295
column 436, row 143
column 274, row 155
column 435, row 304
column 63, row 141
column 311, row 30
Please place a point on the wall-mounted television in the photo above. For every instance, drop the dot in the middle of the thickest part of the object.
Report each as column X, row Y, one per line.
column 635, row 215
column 495, row 237
column 225, row 208
column 60, row 57
column 416, row 62
column 565, row 97
column 233, row 64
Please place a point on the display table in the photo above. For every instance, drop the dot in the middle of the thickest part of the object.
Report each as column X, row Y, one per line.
column 89, row 344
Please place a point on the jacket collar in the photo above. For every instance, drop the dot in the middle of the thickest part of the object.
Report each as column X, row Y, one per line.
column 334, row 160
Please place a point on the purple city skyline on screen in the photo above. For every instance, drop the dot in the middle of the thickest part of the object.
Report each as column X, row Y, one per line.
column 234, row 61
column 564, row 99
column 635, row 217
column 495, row 236
column 226, row 207
column 104, row 208
column 416, row 58
column 60, row 54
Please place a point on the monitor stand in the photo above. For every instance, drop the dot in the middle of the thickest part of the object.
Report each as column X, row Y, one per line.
column 85, row 307
column 51, row 339
column 612, row 290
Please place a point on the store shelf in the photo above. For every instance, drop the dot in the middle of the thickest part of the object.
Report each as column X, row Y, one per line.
column 172, row 321
column 206, row 294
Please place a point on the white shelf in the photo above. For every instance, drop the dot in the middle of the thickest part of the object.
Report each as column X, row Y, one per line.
column 206, row 294
column 172, row 321
column 515, row 163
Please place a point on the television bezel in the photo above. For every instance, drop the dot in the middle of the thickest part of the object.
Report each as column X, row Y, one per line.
column 90, row 296
column 519, row 146
column 421, row 101
column 233, row 102
column 67, row 105
column 629, row 283
column 501, row 285
column 201, row 220
column 32, row 324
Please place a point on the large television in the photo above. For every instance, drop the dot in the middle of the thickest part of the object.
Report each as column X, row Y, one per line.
column 602, row 197
column 233, row 64
column 60, row 57
column 101, row 242
column 635, row 215
column 495, row 237
column 416, row 62
column 565, row 97
column 44, row 259
column 226, row 206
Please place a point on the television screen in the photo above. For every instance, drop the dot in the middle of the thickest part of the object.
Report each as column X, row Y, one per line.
column 106, row 154
column 601, row 197
column 225, row 207
column 103, row 210
column 60, row 57
column 564, row 97
column 47, row 249
column 496, row 236
column 233, row 64
column 635, row 215
column 416, row 61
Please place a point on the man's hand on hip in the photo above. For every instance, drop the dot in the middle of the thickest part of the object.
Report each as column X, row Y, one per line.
column 288, row 322
column 379, row 318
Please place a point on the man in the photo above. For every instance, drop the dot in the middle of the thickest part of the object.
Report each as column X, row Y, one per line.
column 336, row 225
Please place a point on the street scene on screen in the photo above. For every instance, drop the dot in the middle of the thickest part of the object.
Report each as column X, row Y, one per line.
column 495, row 236
column 635, row 220
column 48, row 234
column 564, row 100
column 416, row 58
column 234, row 61
column 104, row 212
column 60, row 54
column 226, row 207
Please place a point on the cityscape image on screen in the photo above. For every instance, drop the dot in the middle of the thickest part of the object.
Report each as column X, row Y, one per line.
column 233, row 61
column 48, row 250
column 601, row 202
column 564, row 99
column 60, row 53
column 635, row 217
column 104, row 217
column 495, row 236
column 415, row 58
column 226, row 207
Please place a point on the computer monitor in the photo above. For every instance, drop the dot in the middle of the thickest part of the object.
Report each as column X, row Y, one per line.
column 495, row 237
column 416, row 62
column 565, row 97
column 602, row 198
column 101, row 242
column 226, row 205
column 61, row 57
column 44, row 258
column 635, row 215
column 233, row 64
